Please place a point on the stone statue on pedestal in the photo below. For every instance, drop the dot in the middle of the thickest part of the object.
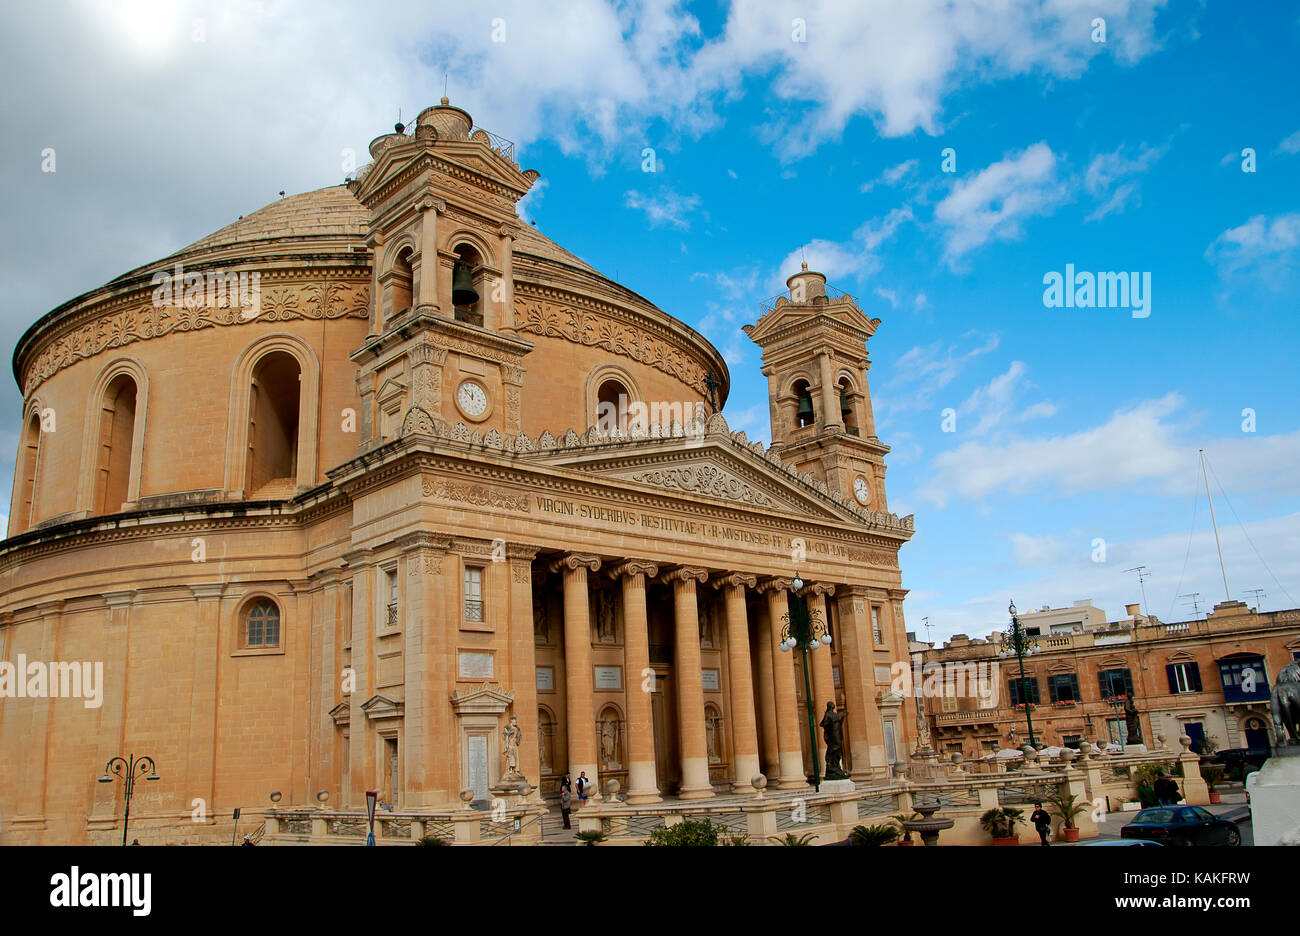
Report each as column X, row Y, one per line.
column 833, row 732
column 1286, row 704
column 1131, row 723
column 511, row 735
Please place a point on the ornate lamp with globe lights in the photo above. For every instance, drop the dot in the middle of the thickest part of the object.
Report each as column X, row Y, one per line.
column 1020, row 645
column 803, row 629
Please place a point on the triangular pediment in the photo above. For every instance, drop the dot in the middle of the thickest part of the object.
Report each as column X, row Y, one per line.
column 705, row 462
column 388, row 389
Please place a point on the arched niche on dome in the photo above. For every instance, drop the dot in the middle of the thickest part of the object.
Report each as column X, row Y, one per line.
column 27, row 470
column 610, row 392
column 112, row 457
column 271, row 443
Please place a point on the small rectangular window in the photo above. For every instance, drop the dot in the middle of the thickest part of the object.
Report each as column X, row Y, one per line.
column 390, row 590
column 876, row 634
column 473, row 594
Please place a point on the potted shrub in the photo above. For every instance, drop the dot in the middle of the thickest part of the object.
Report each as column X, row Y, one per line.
column 1000, row 823
column 692, row 832
column 1068, row 806
column 1213, row 773
column 874, row 835
column 591, row 837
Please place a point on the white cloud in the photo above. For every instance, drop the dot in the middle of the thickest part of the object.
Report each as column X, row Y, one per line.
column 1109, row 178
column 528, row 204
column 993, row 404
column 922, row 371
column 993, row 203
column 892, row 175
column 894, row 60
column 888, row 295
column 1263, row 247
column 1030, row 550
column 856, row 257
column 1290, row 145
column 667, row 207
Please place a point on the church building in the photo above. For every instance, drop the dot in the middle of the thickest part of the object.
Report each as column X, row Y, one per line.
column 338, row 491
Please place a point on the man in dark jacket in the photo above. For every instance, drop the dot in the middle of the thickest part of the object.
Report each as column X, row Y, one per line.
column 1041, row 821
column 1166, row 791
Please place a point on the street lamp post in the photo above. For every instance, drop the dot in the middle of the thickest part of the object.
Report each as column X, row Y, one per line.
column 804, row 630
column 129, row 770
column 1021, row 645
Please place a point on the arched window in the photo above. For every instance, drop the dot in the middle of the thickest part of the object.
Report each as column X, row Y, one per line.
column 402, row 283
column 272, row 465
column 467, row 285
column 262, row 625
column 116, row 438
column 804, row 414
column 25, row 495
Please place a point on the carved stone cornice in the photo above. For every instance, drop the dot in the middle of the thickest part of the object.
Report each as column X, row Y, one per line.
column 634, row 567
column 205, row 592
column 423, row 539
column 574, row 561
column 687, row 574
column 524, row 552
column 734, row 580
column 707, row 479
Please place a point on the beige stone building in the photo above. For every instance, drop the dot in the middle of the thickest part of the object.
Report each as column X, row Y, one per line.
column 332, row 496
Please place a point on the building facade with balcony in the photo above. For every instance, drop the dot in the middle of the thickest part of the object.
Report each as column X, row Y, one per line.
column 424, row 471
column 1207, row 678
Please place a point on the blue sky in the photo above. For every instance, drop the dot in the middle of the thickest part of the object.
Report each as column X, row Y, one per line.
column 1071, row 425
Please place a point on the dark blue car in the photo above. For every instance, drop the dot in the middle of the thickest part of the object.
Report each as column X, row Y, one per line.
column 1182, row 825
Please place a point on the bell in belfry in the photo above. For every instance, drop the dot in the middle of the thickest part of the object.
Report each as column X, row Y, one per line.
column 463, row 292
column 805, row 413
column 845, row 409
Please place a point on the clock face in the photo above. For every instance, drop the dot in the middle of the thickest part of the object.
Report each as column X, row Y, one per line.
column 860, row 489
column 472, row 399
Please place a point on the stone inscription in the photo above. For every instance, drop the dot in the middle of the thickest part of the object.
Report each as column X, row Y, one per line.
column 651, row 523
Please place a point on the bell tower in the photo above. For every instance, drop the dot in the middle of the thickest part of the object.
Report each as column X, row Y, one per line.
column 815, row 359
column 441, row 343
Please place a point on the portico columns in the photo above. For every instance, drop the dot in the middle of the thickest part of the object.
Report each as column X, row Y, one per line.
column 744, row 733
column 823, row 679
column 865, row 734
column 690, row 684
column 642, row 780
column 577, row 665
column 789, row 748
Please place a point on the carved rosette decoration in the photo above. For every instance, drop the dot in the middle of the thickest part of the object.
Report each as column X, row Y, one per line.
column 325, row 299
column 706, row 479
column 589, row 328
column 480, row 495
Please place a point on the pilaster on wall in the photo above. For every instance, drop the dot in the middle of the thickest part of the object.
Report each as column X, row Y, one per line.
column 522, row 655
column 427, row 720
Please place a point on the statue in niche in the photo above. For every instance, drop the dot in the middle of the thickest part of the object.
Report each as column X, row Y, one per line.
column 711, row 735
column 605, row 618
column 541, row 627
column 543, row 748
column 609, row 742
column 706, row 625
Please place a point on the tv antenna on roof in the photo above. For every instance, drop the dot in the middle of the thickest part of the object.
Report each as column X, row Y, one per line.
column 1196, row 604
column 1258, row 593
column 1143, row 574
column 926, row 622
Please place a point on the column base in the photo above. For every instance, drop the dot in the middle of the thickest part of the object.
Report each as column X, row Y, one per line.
column 792, row 773
column 643, row 797
column 746, row 768
column 642, row 781
column 696, row 793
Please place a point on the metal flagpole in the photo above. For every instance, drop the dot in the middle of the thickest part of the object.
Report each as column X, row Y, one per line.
column 1215, row 524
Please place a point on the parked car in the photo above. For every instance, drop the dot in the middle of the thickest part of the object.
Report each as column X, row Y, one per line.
column 1182, row 825
column 1131, row 841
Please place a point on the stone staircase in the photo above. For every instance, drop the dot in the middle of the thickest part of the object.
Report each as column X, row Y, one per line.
column 554, row 832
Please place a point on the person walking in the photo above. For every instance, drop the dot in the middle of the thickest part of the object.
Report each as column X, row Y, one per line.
column 1041, row 821
column 566, row 802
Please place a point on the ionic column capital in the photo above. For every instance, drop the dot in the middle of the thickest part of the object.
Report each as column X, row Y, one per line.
column 574, row 561
column 634, row 567
column 774, row 583
column 687, row 574
column 820, row 588
column 431, row 202
column 734, row 580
